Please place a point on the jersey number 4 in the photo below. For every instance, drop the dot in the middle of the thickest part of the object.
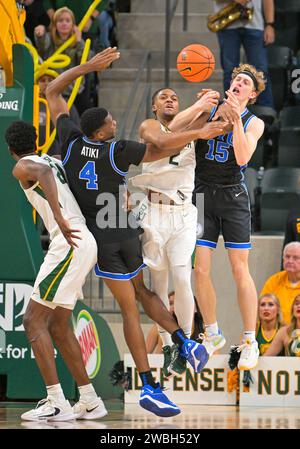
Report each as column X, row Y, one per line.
column 217, row 150
column 88, row 173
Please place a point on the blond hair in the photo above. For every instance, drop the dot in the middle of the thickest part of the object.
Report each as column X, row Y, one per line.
column 53, row 29
column 259, row 76
column 279, row 319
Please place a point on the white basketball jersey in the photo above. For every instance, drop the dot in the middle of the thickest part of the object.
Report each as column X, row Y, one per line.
column 172, row 176
column 35, row 195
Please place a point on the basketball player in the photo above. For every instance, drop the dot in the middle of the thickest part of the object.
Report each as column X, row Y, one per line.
column 96, row 169
column 221, row 162
column 168, row 217
column 60, row 279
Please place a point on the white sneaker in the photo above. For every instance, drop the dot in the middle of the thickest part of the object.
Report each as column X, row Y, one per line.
column 48, row 410
column 213, row 342
column 249, row 355
column 91, row 410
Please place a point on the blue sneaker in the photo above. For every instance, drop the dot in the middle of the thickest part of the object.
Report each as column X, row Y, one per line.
column 195, row 353
column 155, row 401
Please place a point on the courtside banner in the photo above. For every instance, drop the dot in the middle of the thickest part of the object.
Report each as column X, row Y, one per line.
column 208, row 387
column 276, row 383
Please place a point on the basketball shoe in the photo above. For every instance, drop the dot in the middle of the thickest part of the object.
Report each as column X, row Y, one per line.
column 213, row 342
column 195, row 353
column 249, row 355
column 91, row 410
column 155, row 401
column 49, row 410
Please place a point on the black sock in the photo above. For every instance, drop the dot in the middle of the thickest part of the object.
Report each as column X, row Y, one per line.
column 147, row 379
column 178, row 337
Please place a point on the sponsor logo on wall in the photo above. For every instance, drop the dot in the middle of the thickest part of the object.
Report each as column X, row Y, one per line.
column 87, row 335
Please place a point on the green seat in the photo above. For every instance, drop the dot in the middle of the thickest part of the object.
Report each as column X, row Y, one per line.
column 280, row 62
column 280, row 192
column 287, row 6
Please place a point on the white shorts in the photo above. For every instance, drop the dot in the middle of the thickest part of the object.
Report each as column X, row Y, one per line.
column 169, row 235
column 63, row 272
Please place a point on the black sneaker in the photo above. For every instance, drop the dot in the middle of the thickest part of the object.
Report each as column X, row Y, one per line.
column 167, row 361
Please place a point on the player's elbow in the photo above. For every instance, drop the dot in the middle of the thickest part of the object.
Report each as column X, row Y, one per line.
column 50, row 90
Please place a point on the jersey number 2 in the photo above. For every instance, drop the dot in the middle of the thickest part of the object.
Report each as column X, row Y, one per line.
column 219, row 152
column 88, row 173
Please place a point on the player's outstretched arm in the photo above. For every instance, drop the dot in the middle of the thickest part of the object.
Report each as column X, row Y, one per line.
column 166, row 143
column 98, row 63
column 28, row 173
column 277, row 344
column 161, row 145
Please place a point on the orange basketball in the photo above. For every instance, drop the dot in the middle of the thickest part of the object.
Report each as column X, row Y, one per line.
column 195, row 63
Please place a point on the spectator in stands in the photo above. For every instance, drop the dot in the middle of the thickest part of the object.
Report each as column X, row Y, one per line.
column 269, row 321
column 62, row 27
column 91, row 29
column 43, row 81
column 288, row 337
column 35, row 15
column 286, row 284
column 253, row 35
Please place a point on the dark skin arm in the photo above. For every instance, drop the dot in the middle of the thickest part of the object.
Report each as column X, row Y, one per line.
column 57, row 104
column 161, row 144
column 28, row 173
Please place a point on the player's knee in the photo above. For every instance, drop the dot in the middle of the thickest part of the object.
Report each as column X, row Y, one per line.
column 202, row 273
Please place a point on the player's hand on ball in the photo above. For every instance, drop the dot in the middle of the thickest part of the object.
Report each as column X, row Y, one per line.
column 208, row 100
column 103, row 59
column 211, row 130
column 39, row 31
column 68, row 233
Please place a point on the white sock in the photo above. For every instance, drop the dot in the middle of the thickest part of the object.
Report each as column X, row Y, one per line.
column 87, row 393
column 212, row 329
column 249, row 335
column 55, row 392
column 159, row 284
column 166, row 337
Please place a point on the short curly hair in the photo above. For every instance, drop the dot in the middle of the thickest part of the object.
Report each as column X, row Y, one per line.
column 92, row 119
column 259, row 76
column 21, row 137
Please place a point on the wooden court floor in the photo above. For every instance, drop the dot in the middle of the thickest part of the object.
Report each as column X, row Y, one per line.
column 132, row 416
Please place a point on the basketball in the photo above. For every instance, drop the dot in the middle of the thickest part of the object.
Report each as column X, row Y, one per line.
column 195, row 63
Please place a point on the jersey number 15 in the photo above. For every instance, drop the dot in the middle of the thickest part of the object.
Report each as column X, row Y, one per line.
column 88, row 173
column 217, row 150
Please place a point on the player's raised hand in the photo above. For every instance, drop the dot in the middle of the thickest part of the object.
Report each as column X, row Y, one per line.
column 68, row 233
column 103, row 59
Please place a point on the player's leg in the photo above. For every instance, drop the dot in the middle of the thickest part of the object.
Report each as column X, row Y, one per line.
column 55, row 407
column 247, row 299
column 205, row 292
column 35, row 322
column 184, row 299
column 193, row 352
column 236, row 231
column 160, row 286
column 89, row 406
column 152, row 398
